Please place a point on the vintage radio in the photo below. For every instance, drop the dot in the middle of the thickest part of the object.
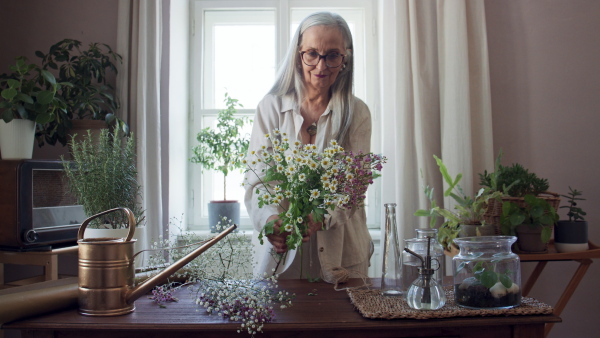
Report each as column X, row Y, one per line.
column 37, row 212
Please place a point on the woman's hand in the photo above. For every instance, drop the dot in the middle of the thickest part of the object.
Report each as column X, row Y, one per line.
column 277, row 239
column 312, row 227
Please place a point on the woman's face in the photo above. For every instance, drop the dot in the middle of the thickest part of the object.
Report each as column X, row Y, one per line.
column 323, row 40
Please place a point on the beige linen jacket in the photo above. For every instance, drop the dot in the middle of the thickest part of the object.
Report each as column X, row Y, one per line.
column 346, row 240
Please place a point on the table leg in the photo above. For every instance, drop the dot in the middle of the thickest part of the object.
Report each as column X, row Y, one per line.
column 584, row 264
column 534, row 276
column 51, row 268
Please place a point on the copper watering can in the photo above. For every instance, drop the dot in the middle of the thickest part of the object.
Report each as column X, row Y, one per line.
column 106, row 270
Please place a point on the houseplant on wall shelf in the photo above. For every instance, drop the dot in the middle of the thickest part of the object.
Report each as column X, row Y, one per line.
column 28, row 103
column 466, row 218
column 572, row 235
column 531, row 222
column 219, row 149
column 87, row 93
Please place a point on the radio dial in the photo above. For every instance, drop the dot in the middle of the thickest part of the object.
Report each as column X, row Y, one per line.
column 31, row 236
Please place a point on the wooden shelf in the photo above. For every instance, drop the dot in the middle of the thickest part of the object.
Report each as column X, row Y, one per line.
column 584, row 258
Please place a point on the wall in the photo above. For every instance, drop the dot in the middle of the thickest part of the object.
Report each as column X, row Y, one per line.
column 30, row 25
column 545, row 82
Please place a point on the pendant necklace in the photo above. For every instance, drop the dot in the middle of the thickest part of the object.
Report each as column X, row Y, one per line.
column 312, row 129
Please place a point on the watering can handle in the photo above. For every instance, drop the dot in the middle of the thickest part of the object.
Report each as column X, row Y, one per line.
column 130, row 222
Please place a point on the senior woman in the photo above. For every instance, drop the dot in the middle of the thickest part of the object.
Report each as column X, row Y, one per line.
column 312, row 100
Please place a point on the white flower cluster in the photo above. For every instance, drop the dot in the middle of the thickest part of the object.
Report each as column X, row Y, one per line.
column 222, row 280
column 248, row 301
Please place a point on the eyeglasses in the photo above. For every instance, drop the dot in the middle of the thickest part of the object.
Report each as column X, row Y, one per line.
column 312, row 58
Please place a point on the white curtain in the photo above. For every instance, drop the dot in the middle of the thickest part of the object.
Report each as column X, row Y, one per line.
column 435, row 97
column 139, row 42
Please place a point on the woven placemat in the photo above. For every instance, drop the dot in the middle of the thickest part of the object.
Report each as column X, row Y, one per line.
column 371, row 304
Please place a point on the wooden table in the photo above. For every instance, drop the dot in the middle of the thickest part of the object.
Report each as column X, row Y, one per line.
column 584, row 258
column 318, row 311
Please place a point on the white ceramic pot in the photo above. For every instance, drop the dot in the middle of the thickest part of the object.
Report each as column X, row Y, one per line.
column 16, row 139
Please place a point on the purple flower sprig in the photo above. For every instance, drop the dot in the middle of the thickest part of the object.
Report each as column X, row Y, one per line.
column 164, row 294
column 358, row 172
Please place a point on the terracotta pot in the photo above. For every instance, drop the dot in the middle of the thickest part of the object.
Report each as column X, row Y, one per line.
column 529, row 239
column 472, row 230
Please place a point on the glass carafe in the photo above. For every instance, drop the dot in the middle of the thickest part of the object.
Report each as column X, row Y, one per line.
column 487, row 274
column 391, row 282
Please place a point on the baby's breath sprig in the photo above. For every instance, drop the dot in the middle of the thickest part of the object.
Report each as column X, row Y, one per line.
column 221, row 279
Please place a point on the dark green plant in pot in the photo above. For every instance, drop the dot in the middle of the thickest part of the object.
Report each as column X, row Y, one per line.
column 514, row 181
column 86, row 93
column 536, row 212
column 103, row 175
column 30, row 93
column 220, row 148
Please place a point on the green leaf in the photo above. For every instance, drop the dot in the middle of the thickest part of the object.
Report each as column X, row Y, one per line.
column 505, row 280
column 489, row 278
column 45, row 97
column 546, row 233
column 9, row 93
column 49, row 77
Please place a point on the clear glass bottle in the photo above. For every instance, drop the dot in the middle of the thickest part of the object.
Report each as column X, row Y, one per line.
column 391, row 282
column 425, row 293
column 487, row 274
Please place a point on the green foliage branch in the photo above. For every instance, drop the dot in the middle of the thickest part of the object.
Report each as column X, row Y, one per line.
column 219, row 148
column 468, row 210
column 86, row 91
column 30, row 92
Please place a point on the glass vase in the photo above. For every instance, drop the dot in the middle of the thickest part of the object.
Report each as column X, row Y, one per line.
column 487, row 274
column 391, row 282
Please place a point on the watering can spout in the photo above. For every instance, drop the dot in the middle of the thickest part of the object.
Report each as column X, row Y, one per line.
column 106, row 270
column 162, row 277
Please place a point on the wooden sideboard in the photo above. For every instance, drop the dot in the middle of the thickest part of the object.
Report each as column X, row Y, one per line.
column 318, row 311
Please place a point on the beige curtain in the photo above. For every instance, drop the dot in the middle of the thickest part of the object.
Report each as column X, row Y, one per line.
column 139, row 42
column 435, row 99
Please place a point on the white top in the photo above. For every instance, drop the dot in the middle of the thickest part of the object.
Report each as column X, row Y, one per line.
column 346, row 240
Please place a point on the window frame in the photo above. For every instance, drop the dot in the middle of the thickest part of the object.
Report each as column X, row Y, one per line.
column 283, row 33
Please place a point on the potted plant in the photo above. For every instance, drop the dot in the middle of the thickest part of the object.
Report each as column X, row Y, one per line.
column 28, row 103
column 219, row 149
column 88, row 96
column 466, row 218
column 102, row 175
column 515, row 182
column 572, row 235
column 531, row 223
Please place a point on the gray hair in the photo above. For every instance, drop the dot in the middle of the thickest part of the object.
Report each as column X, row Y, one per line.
column 289, row 77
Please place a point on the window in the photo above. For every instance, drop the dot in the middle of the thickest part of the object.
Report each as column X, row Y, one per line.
column 236, row 47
